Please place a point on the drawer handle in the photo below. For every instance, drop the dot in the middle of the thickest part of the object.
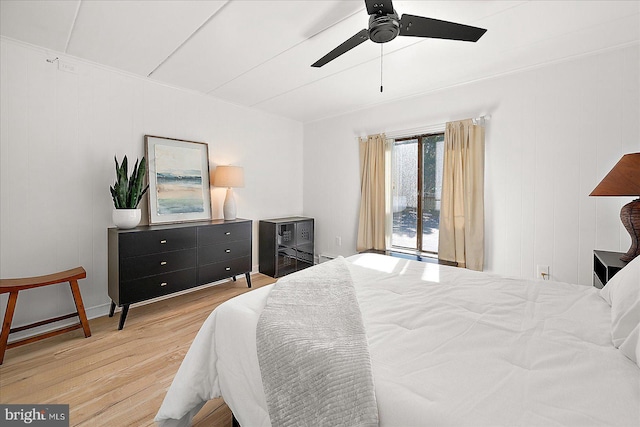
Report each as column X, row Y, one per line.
column 228, row 251
column 162, row 242
column 228, row 233
column 163, row 284
column 228, row 268
column 163, row 263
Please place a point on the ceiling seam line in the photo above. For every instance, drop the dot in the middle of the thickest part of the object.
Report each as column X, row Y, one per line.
column 333, row 74
column 576, row 31
column 73, row 27
column 284, row 51
column 189, row 38
column 497, row 75
column 254, row 67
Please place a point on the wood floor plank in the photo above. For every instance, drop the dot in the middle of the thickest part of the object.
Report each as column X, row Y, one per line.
column 219, row 416
column 119, row 377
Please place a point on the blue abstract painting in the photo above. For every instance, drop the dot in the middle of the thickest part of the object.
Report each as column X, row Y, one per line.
column 179, row 186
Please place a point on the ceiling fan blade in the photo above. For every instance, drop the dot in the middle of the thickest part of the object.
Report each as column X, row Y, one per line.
column 376, row 7
column 354, row 41
column 419, row 26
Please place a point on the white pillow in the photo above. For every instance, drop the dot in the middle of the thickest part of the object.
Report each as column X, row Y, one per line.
column 622, row 292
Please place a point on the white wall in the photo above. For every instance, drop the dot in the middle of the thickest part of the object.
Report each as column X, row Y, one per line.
column 59, row 134
column 555, row 132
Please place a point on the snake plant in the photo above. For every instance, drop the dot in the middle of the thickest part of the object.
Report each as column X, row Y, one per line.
column 127, row 192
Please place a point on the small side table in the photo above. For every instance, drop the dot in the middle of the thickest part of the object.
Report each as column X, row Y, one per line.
column 605, row 265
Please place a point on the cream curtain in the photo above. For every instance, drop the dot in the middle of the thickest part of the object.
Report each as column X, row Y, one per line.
column 462, row 208
column 371, row 226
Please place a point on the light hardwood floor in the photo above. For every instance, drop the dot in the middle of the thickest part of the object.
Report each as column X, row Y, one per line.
column 119, row 378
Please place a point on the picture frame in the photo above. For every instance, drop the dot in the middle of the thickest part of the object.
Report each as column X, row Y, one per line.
column 178, row 177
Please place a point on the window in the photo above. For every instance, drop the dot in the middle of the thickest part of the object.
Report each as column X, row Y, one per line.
column 416, row 187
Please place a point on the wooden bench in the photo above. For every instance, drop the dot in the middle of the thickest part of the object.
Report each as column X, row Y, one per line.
column 13, row 286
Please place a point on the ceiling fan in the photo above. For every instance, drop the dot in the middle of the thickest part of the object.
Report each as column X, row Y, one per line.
column 384, row 26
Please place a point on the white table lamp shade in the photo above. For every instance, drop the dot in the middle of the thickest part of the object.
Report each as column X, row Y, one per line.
column 230, row 177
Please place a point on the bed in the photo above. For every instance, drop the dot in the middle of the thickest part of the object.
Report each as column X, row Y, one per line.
column 448, row 347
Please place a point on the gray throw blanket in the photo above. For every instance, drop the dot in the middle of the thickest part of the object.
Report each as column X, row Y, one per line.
column 313, row 353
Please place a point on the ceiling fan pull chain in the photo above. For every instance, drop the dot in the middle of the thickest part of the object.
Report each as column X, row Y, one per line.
column 381, row 67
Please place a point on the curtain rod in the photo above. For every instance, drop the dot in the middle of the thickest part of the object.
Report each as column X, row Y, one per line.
column 481, row 120
column 437, row 127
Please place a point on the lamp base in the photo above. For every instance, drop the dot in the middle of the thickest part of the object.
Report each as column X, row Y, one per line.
column 630, row 216
column 229, row 207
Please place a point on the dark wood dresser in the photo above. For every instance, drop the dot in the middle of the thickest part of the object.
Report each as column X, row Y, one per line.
column 157, row 260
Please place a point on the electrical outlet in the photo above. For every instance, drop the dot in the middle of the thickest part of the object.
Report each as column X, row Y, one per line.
column 66, row 66
column 543, row 272
column 338, row 241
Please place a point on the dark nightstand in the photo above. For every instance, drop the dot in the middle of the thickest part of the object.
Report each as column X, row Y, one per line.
column 605, row 265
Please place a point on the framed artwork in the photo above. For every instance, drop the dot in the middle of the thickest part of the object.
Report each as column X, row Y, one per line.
column 178, row 176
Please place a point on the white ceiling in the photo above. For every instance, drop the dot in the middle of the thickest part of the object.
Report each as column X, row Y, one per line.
column 258, row 53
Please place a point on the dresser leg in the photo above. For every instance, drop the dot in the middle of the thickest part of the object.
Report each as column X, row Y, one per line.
column 123, row 316
column 248, row 276
column 112, row 309
column 234, row 278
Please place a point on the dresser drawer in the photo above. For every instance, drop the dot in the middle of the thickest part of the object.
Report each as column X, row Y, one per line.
column 150, row 242
column 221, row 270
column 151, row 265
column 155, row 286
column 224, row 233
column 223, row 252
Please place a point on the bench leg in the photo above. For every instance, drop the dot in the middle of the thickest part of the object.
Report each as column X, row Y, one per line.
column 77, row 298
column 6, row 324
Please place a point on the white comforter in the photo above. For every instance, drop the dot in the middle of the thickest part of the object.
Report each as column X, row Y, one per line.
column 449, row 347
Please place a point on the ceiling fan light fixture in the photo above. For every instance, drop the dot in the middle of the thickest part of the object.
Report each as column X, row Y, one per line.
column 383, row 28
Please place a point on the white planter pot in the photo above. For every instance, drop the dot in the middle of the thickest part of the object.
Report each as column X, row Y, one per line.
column 126, row 218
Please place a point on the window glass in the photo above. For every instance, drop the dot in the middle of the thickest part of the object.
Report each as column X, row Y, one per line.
column 405, row 194
column 432, row 161
column 416, row 174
